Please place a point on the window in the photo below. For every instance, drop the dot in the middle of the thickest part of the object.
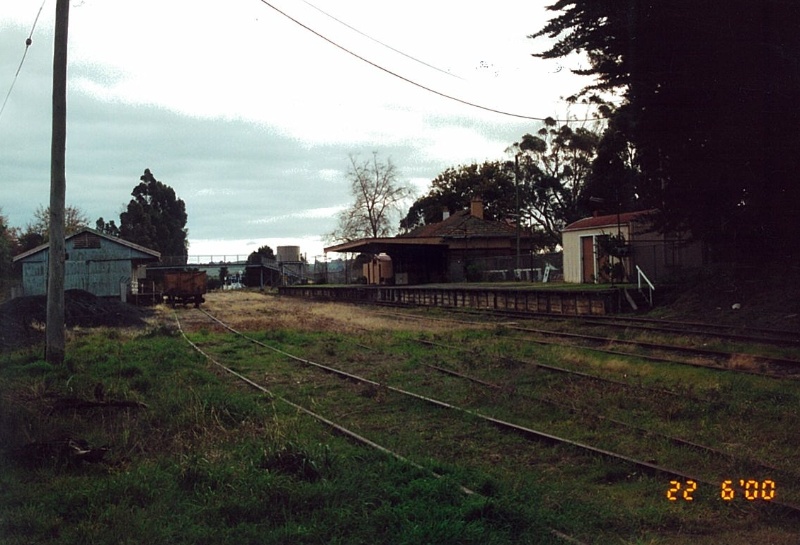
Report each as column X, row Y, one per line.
column 86, row 241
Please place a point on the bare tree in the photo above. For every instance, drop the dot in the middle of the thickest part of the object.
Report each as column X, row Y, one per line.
column 37, row 232
column 75, row 219
column 377, row 195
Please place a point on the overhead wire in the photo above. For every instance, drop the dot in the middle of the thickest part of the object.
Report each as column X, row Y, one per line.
column 28, row 43
column 407, row 80
column 380, row 42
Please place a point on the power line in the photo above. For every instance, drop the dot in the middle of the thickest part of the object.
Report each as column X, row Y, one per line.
column 28, row 43
column 380, row 42
column 407, row 80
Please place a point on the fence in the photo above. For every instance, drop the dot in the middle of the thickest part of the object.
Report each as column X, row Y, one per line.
column 525, row 268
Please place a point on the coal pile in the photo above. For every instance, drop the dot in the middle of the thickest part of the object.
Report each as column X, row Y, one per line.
column 22, row 319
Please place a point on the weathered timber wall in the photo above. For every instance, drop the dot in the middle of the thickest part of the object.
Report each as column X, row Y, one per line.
column 550, row 301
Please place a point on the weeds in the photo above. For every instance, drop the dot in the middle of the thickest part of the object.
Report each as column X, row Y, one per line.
column 211, row 461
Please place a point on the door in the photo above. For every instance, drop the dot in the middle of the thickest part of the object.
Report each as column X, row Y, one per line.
column 587, row 260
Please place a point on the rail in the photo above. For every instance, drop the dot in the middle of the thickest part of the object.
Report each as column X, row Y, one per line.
column 647, row 466
column 639, row 277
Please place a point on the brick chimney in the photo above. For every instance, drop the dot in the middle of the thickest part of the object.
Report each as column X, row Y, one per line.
column 445, row 213
column 476, row 207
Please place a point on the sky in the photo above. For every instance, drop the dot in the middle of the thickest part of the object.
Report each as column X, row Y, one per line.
column 252, row 118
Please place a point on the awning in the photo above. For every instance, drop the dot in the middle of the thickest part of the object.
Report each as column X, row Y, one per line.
column 385, row 245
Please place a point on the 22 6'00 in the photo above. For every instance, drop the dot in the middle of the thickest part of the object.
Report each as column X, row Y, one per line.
column 752, row 490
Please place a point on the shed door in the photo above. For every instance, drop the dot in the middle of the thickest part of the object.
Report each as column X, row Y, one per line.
column 587, row 259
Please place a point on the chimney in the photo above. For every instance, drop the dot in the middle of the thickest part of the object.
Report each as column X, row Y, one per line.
column 476, row 207
column 445, row 213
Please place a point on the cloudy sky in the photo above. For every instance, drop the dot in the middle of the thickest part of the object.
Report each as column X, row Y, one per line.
column 251, row 118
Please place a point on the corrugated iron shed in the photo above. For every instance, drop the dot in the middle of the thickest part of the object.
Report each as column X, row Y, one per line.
column 95, row 262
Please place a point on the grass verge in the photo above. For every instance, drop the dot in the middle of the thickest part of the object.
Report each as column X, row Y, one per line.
column 200, row 460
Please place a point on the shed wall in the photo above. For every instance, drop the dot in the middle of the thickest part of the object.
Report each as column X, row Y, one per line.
column 99, row 269
column 571, row 243
column 101, row 278
column 658, row 256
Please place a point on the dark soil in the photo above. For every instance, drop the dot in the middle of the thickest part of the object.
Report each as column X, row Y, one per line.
column 747, row 298
column 22, row 319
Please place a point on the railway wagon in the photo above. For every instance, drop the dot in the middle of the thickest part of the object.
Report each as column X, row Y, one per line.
column 185, row 287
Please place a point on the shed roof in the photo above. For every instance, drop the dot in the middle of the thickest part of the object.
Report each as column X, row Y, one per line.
column 152, row 253
column 610, row 220
column 378, row 245
column 460, row 225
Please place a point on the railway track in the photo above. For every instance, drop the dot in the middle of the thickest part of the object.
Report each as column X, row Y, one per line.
column 621, row 424
column 358, row 438
column 756, row 364
column 790, row 366
column 765, row 336
column 644, row 466
column 775, row 337
column 573, row 373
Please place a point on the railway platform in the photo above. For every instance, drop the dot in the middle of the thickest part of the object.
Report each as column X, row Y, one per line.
column 568, row 301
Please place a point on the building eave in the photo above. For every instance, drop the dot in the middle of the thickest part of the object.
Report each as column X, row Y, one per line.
column 378, row 245
column 154, row 254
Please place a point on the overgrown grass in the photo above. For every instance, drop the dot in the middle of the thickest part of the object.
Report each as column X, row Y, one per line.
column 204, row 459
column 207, row 461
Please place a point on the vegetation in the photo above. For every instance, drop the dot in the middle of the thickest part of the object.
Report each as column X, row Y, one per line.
column 253, row 277
column 264, row 252
column 156, row 218
column 107, row 227
column 7, row 244
column 544, row 184
column 37, row 232
column 683, row 69
column 203, row 458
column 453, row 189
column 377, row 195
column 553, row 167
column 209, row 462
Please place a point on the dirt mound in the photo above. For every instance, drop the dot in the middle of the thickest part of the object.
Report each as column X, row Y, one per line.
column 747, row 298
column 22, row 319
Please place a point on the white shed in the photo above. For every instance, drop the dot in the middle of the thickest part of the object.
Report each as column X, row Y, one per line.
column 657, row 255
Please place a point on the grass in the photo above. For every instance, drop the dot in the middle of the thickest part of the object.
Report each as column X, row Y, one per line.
column 209, row 460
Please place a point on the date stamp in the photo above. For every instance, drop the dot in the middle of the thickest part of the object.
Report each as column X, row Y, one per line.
column 729, row 490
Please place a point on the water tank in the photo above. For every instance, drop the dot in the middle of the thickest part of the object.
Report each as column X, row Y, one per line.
column 288, row 254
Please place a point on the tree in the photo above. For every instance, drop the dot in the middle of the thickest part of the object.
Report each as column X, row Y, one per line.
column 254, row 276
column 75, row 219
column 109, row 228
column 156, row 218
column 553, row 167
column 377, row 194
column 264, row 252
column 615, row 180
column 6, row 252
column 545, row 183
column 37, row 232
column 706, row 86
column 453, row 189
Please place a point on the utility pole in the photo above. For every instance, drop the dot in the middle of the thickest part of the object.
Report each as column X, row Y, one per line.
column 55, row 335
column 519, row 219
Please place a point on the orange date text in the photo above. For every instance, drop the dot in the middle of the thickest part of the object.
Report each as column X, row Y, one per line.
column 729, row 490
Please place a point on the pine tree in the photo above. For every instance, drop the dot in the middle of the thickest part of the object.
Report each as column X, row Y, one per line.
column 156, row 218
